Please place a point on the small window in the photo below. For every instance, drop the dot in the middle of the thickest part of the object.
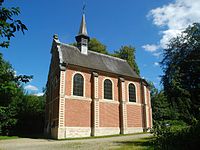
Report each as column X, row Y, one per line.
column 107, row 89
column 78, row 85
column 132, row 93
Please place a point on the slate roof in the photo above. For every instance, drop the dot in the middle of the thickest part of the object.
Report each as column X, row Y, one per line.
column 97, row 61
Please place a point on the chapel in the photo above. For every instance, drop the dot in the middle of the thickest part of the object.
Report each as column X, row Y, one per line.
column 93, row 94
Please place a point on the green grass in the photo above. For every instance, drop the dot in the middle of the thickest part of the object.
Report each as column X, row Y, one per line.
column 137, row 144
column 106, row 136
column 8, row 137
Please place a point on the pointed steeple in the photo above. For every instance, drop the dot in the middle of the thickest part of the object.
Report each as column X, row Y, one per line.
column 82, row 38
column 83, row 29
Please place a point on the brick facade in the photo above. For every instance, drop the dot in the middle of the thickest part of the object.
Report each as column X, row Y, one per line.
column 91, row 114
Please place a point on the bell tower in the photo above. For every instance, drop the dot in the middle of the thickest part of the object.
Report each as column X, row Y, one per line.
column 82, row 38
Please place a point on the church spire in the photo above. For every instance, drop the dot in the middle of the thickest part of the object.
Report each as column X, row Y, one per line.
column 83, row 29
column 82, row 38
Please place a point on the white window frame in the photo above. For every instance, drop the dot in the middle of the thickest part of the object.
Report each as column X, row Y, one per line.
column 135, row 92
column 112, row 89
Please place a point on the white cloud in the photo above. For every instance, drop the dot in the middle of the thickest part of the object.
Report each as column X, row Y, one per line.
column 150, row 47
column 39, row 94
column 31, row 88
column 157, row 54
column 156, row 64
column 175, row 17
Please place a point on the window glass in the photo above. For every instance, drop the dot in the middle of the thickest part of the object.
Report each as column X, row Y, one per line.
column 78, row 85
column 132, row 93
column 107, row 89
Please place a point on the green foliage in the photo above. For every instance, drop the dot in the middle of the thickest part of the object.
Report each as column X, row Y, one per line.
column 7, row 120
column 161, row 108
column 178, row 137
column 30, row 114
column 8, row 24
column 128, row 53
column 10, row 93
column 97, row 46
column 181, row 66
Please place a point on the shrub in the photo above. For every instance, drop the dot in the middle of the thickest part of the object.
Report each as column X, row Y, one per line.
column 174, row 138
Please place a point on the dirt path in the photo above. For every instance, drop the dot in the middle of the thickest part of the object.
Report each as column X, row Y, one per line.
column 83, row 144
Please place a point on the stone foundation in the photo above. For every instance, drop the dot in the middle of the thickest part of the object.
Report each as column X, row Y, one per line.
column 133, row 130
column 101, row 131
column 76, row 132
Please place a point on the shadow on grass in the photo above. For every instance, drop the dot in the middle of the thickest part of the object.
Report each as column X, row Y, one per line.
column 28, row 135
column 146, row 143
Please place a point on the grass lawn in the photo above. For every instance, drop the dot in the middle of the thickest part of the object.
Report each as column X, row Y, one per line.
column 138, row 144
column 8, row 137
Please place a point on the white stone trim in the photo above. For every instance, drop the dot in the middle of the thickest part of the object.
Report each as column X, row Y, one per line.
column 77, row 98
column 72, row 84
column 149, row 94
column 96, row 87
column 145, row 97
column 136, row 96
column 123, row 91
column 113, row 89
column 146, row 107
column 59, row 50
column 109, row 101
column 101, row 131
column 133, row 130
column 74, row 132
column 61, row 121
column 133, row 103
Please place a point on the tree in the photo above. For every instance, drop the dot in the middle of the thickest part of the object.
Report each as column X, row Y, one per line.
column 10, row 92
column 181, row 67
column 128, row 53
column 10, row 83
column 161, row 108
column 97, row 46
column 29, row 114
column 9, row 25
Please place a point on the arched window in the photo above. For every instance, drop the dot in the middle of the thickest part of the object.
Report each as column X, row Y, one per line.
column 78, row 82
column 107, row 89
column 132, row 92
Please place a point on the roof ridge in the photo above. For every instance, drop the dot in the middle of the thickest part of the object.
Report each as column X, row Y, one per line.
column 107, row 55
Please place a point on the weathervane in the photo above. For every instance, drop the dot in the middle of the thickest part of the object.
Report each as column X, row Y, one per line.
column 84, row 6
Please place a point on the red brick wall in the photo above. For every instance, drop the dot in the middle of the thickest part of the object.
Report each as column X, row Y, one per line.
column 134, row 116
column 87, row 81
column 55, row 109
column 77, row 113
column 138, row 96
column 52, row 100
column 114, row 80
column 109, row 114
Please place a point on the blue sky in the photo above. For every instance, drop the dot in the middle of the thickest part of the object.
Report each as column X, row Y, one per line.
column 145, row 24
